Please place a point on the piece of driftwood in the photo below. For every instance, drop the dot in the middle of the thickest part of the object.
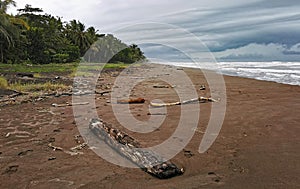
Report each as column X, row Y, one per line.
column 70, row 104
column 130, row 148
column 200, row 100
column 90, row 93
column 102, row 92
column 25, row 75
column 202, row 87
column 73, row 151
column 132, row 101
column 55, row 148
column 163, row 86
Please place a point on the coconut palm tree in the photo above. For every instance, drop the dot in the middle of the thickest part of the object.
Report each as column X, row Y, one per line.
column 4, row 5
column 10, row 28
column 8, row 34
column 76, row 32
column 5, row 24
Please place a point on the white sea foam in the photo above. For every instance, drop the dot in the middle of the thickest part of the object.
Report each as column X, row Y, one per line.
column 280, row 72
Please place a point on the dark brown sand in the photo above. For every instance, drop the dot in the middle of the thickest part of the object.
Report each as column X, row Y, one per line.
column 258, row 147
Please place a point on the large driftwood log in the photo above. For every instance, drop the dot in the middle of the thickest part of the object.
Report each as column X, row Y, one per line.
column 131, row 149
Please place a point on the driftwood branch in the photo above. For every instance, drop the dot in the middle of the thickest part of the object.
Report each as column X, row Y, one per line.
column 70, row 104
column 200, row 100
column 130, row 148
column 132, row 101
column 102, row 92
column 89, row 93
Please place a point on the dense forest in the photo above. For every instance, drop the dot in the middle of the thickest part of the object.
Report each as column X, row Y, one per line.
column 35, row 37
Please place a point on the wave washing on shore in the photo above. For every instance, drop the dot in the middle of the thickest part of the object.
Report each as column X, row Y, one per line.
column 280, row 72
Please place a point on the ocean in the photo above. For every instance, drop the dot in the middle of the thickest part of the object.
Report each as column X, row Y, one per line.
column 280, row 72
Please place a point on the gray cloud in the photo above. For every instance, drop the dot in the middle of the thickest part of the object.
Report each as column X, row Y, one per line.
column 232, row 29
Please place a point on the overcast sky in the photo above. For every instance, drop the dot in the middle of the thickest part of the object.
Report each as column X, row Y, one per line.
column 233, row 30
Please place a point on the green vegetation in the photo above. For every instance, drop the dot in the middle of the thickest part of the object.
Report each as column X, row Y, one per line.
column 37, row 70
column 32, row 87
column 3, row 83
column 44, row 87
column 31, row 68
column 33, row 37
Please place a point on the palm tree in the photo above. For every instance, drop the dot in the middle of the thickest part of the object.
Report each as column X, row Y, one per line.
column 81, row 37
column 10, row 28
column 8, row 34
column 5, row 24
column 4, row 4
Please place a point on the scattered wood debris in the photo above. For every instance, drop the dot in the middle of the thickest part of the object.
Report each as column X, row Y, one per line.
column 73, row 151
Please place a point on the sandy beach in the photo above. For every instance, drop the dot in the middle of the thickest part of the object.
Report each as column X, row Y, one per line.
column 258, row 146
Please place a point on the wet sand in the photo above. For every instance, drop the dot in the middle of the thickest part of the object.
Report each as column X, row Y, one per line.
column 258, row 146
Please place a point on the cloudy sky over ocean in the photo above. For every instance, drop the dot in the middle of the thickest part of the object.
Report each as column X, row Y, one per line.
column 233, row 30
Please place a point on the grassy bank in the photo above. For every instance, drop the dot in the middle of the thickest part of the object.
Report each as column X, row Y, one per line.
column 69, row 70
column 54, row 68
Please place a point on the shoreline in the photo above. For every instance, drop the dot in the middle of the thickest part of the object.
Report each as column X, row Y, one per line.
column 233, row 75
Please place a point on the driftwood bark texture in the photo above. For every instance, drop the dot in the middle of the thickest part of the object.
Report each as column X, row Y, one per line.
column 128, row 147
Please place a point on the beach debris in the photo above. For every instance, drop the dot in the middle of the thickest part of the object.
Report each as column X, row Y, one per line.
column 77, row 138
column 78, row 147
column 202, row 87
column 70, row 104
column 55, row 148
column 132, row 101
column 18, row 133
column 73, row 151
column 156, row 114
column 30, row 75
column 69, row 183
column 130, row 148
column 164, row 86
column 200, row 100
column 87, row 92
column 102, row 92
column 197, row 130
column 188, row 153
column 51, row 158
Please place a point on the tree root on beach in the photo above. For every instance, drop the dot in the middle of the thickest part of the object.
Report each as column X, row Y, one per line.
column 200, row 100
column 128, row 147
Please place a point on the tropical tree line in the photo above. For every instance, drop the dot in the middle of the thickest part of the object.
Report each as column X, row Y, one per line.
column 35, row 37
